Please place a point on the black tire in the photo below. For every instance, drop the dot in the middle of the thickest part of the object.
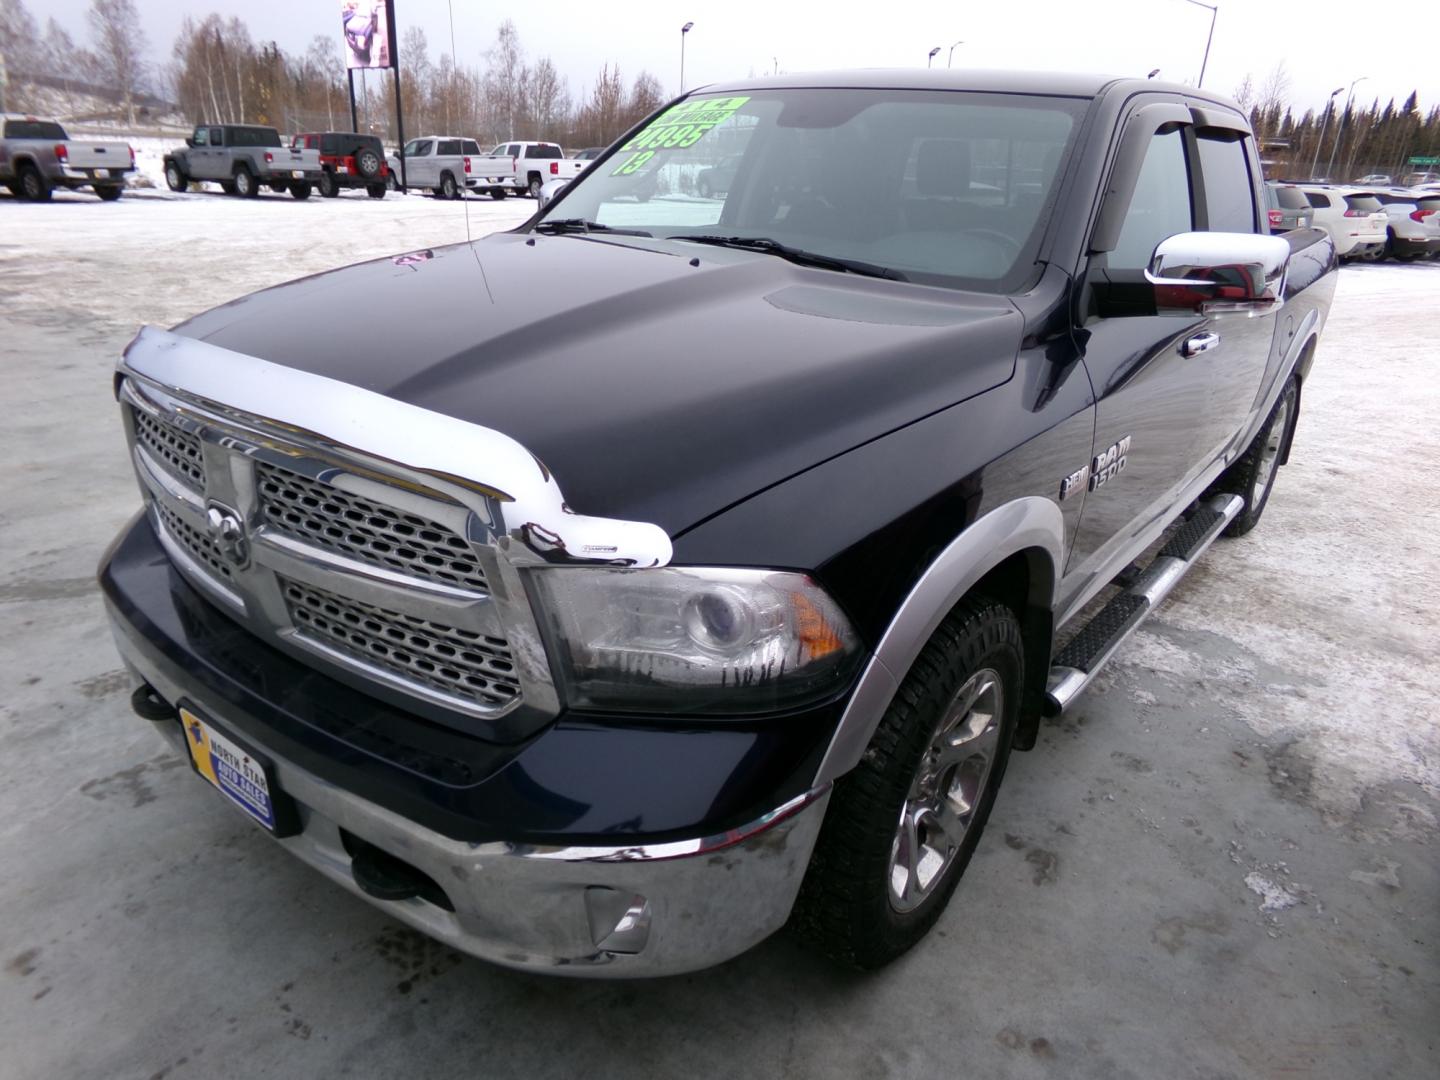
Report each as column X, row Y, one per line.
column 109, row 192
column 301, row 189
column 845, row 908
column 244, row 184
column 703, row 188
column 534, row 186
column 1252, row 477
column 367, row 163
column 329, row 188
column 174, row 179
column 448, row 187
column 280, row 187
column 498, row 193
column 227, row 186
column 33, row 185
column 376, row 191
column 393, row 182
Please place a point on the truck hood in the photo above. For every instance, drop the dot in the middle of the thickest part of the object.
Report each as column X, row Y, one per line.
column 655, row 387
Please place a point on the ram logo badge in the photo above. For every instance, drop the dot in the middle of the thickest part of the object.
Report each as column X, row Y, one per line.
column 1109, row 463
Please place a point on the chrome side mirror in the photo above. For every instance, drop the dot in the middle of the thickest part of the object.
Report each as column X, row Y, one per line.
column 1214, row 272
column 550, row 189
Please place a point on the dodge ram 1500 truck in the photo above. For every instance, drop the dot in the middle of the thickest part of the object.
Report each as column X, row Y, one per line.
column 635, row 582
column 36, row 156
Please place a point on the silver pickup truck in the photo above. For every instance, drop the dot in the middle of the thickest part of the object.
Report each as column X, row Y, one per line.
column 241, row 158
column 36, row 157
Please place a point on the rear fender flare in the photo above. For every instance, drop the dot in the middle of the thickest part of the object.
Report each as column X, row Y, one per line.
column 1025, row 524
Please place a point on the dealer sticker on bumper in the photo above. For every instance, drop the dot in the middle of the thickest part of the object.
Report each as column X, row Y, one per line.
column 235, row 772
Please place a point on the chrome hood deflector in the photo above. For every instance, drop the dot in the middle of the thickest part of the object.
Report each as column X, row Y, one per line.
column 505, row 483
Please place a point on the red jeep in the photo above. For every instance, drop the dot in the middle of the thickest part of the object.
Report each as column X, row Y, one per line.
column 349, row 160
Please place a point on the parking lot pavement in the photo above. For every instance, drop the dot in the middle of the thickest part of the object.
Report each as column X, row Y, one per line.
column 1222, row 863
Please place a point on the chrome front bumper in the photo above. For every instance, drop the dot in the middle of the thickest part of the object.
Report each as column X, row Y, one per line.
column 602, row 912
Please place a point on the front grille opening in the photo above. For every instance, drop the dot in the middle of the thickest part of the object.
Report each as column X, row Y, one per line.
column 196, row 543
column 462, row 664
column 319, row 514
column 177, row 451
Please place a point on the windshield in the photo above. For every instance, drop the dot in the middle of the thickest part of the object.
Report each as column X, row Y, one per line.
column 940, row 187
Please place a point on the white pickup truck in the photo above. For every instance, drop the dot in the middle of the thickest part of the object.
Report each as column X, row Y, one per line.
column 524, row 167
column 36, row 156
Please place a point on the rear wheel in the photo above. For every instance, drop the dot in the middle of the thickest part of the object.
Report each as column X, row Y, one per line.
column 300, row 189
column 280, row 187
column 33, row 185
column 903, row 824
column 376, row 191
column 534, row 186
column 328, row 187
column 1253, row 476
column 703, row 188
column 174, row 178
column 448, row 190
column 110, row 192
column 245, row 184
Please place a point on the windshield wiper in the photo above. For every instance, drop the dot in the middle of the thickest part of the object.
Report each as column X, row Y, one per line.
column 766, row 246
column 580, row 225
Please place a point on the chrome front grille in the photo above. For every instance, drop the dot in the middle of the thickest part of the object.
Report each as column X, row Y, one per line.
column 196, row 544
column 457, row 663
column 177, row 451
column 341, row 521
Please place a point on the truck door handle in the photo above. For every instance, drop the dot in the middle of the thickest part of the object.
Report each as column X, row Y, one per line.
column 1194, row 346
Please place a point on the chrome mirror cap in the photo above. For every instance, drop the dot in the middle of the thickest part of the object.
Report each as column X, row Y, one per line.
column 1214, row 272
column 550, row 189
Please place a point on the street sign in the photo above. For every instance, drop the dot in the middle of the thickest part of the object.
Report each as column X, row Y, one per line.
column 1430, row 160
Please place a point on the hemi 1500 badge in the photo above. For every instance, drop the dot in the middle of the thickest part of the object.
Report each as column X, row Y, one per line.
column 1107, row 464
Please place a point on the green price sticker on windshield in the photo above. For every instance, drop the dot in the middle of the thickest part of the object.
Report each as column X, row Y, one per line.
column 675, row 129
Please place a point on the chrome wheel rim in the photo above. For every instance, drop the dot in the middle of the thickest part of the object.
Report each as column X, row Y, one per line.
column 946, row 791
column 1270, row 452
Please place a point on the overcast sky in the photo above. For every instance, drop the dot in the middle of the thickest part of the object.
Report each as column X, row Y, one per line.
column 1324, row 43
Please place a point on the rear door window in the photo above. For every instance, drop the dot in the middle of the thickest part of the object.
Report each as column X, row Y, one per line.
column 449, row 147
column 1160, row 207
column 1318, row 199
column 1229, row 191
column 543, row 152
column 470, row 146
column 1366, row 204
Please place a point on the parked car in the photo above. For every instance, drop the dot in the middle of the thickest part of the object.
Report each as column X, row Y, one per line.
column 242, row 158
column 1376, row 180
column 348, row 160
column 1419, row 179
column 36, row 156
column 525, row 167
column 440, row 164
column 590, row 153
column 708, row 581
column 717, row 179
column 1413, row 230
column 1286, row 208
column 1354, row 219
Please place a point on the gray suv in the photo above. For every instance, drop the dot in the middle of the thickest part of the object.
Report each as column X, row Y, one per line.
column 241, row 158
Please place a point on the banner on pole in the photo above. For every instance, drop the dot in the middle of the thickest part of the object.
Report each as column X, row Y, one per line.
column 366, row 26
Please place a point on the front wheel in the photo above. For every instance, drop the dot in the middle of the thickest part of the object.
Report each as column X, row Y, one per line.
column 498, row 193
column 903, row 824
column 174, row 178
column 1253, row 476
column 393, row 181
column 33, row 185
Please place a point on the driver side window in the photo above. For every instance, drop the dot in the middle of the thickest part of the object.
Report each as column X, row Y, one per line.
column 1161, row 205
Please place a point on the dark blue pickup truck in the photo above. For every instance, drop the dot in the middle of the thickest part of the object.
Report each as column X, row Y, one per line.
column 676, row 567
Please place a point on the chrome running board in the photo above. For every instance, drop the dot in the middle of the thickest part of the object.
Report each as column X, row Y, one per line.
column 1078, row 662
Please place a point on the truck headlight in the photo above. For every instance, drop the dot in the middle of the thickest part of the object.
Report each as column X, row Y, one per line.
column 692, row 639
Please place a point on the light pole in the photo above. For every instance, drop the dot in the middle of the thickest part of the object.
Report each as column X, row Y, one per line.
column 683, row 31
column 1214, row 10
column 951, row 58
column 1323, row 123
column 931, row 58
column 1340, row 129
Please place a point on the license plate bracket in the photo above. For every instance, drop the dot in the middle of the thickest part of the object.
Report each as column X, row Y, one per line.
column 244, row 775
